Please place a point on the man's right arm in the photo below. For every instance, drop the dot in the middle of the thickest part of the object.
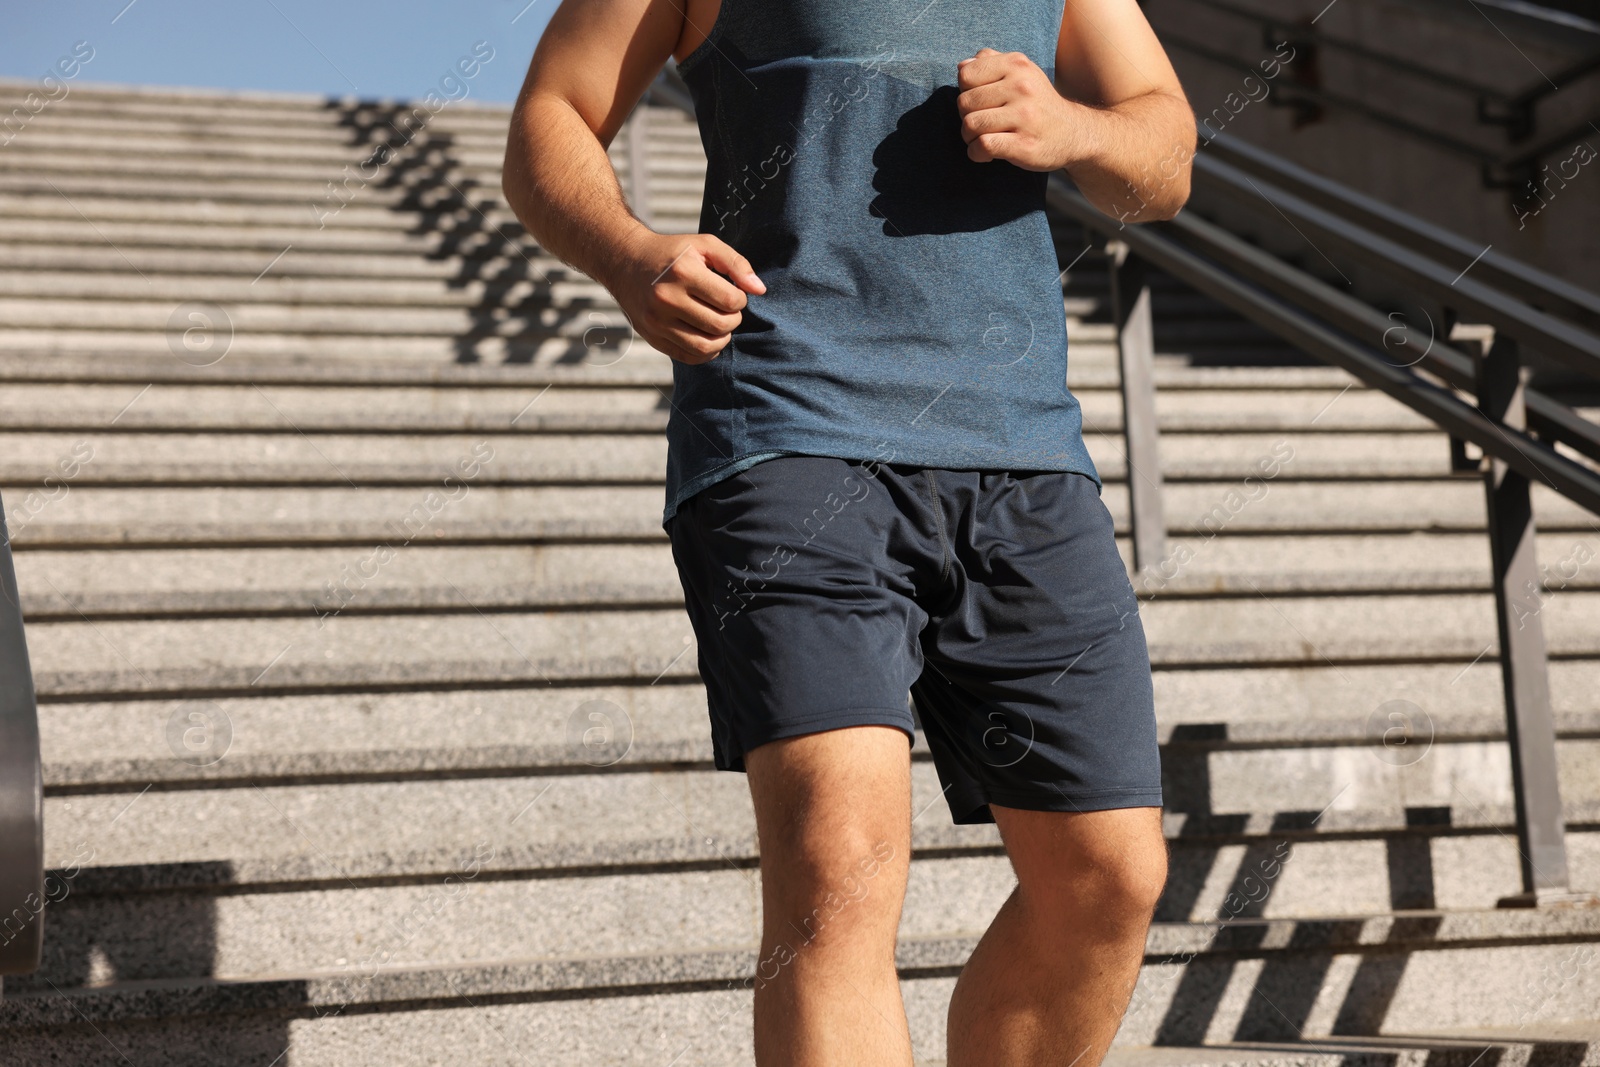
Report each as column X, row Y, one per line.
column 593, row 63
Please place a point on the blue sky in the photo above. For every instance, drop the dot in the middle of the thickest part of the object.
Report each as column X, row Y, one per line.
column 398, row 48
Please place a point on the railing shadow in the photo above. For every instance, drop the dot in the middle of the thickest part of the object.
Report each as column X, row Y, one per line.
column 514, row 315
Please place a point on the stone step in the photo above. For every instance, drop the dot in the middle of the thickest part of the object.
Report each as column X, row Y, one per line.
column 94, row 108
column 597, row 336
column 453, row 463
column 374, row 323
column 222, row 265
column 42, row 139
column 464, row 208
column 1404, row 974
column 355, row 141
column 292, row 456
column 345, row 122
column 89, row 516
column 304, row 279
column 484, row 332
column 350, row 154
column 89, row 96
column 234, row 580
column 91, row 407
column 1343, row 712
column 570, row 814
column 138, row 129
column 442, row 210
column 577, row 339
column 222, row 517
column 21, row 316
column 575, row 1031
column 674, row 178
column 1089, row 368
column 583, row 1032
column 643, row 368
column 1199, row 709
column 470, row 237
column 134, row 131
column 441, row 748
column 470, row 647
column 1578, row 1043
column 648, row 912
column 277, row 288
column 482, row 170
column 286, row 928
column 135, row 120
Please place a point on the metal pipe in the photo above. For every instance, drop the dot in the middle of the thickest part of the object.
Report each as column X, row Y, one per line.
column 22, row 894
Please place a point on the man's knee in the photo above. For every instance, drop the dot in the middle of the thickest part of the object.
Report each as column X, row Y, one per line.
column 822, row 890
column 1125, row 887
column 833, row 811
column 1099, row 870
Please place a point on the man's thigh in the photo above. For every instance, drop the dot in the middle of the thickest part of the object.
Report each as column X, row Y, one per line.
column 833, row 814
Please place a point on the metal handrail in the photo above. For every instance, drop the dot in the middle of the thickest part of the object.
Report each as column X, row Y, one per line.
column 1539, row 288
column 1300, row 31
column 1553, row 420
column 1512, row 110
column 22, row 892
column 1480, row 155
column 1233, row 272
column 1448, row 285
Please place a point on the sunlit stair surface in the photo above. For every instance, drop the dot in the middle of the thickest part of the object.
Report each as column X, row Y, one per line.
column 371, row 725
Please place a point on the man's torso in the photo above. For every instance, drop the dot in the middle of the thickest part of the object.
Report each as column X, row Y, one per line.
column 913, row 310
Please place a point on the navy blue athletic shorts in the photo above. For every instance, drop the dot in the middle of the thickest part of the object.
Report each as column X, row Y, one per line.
column 822, row 591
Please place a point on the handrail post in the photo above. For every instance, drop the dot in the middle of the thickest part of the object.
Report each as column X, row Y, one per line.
column 639, row 163
column 22, row 895
column 1141, row 435
column 1525, row 676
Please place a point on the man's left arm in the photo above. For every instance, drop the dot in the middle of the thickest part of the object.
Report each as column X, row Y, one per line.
column 1115, row 118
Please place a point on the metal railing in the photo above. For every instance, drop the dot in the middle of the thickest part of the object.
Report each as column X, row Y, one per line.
column 1538, row 288
column 1516, row 112
column 22, row 893
column 1491, row 318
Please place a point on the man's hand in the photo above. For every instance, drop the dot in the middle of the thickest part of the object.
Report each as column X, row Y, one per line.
column 672, row 289
column 1115, row 118
column 1011, row 110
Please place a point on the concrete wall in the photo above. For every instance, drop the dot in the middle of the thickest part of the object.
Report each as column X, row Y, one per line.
column 1558, row 229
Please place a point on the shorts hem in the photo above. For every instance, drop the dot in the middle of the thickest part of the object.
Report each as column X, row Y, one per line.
column 833, row 720
column 1093, row 800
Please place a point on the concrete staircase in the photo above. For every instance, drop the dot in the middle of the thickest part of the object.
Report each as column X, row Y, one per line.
column 371, row 725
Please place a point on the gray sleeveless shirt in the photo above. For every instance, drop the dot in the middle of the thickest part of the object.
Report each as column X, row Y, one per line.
column 913, row 311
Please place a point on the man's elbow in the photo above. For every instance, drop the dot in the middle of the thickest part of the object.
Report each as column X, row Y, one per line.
column 515, row 176
column 1157, row 201
column 511, row 185
column 1170, row 200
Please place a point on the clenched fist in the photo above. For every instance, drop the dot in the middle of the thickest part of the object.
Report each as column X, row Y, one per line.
column 1011, row 110
column 673, row 290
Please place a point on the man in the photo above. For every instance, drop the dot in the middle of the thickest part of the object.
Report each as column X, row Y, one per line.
column 876, row 476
